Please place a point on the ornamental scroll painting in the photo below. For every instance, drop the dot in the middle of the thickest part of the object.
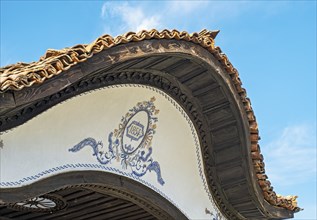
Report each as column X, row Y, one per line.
column 130, row 144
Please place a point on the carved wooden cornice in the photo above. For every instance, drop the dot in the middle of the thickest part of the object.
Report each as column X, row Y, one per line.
column 21, row 75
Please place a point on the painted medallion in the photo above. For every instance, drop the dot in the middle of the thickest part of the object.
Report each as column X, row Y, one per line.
column 131, row 143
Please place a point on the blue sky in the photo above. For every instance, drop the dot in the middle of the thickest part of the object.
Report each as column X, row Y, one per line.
column 271, row 43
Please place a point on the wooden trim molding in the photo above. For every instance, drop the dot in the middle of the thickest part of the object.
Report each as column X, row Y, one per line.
column 101, row 182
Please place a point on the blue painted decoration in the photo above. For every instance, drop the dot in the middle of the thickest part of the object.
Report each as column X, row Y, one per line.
column 130, row 144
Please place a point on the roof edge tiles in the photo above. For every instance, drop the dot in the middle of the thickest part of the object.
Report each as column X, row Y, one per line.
column 54, row 62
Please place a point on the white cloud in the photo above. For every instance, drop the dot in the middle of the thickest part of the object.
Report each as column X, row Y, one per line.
column 135, row 18
column 291, row 159
column 103, row 10
column 121, row 16
column 130, row 17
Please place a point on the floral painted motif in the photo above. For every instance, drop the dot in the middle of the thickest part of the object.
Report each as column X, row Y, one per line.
column 45, row 203
column 131, row 143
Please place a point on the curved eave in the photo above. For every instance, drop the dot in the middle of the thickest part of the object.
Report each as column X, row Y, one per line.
column 189, row 68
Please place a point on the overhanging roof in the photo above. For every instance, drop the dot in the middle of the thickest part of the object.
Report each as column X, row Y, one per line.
column 24, row 85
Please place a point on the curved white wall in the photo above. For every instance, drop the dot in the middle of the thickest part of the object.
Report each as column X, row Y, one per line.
column 156, row 144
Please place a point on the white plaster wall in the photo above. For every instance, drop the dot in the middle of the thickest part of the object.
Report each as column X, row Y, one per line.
column 41, row 144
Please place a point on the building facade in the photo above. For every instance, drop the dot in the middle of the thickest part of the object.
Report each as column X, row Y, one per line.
column 153, row 125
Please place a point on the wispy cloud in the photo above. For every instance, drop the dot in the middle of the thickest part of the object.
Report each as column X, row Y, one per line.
column 123, row 16
column 291, row 159
column 103, row 10
column 130, row 17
